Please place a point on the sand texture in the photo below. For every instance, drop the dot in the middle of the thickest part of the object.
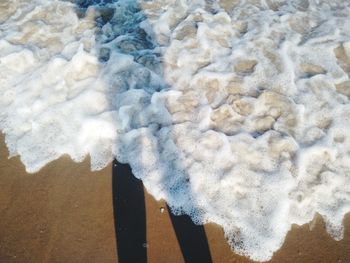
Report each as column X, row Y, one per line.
column 65, row 213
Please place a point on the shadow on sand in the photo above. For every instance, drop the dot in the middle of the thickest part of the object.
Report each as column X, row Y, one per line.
column 129, row 215
column 130, row 222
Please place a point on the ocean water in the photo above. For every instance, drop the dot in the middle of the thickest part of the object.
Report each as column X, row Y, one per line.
column 235, row 112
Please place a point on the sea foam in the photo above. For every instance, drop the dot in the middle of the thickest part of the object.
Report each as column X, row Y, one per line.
column 234, row 112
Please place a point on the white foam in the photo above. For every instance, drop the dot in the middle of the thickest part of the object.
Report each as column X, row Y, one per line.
column 234, row 112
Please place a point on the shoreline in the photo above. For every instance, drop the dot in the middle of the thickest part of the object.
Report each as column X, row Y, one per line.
column 65, row 213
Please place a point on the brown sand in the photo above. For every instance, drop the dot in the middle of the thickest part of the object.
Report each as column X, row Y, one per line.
column 64, row 213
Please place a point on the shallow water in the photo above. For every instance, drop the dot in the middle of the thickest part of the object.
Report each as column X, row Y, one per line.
column 234, row 112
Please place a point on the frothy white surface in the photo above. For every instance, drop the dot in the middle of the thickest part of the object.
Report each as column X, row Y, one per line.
column 234, row 112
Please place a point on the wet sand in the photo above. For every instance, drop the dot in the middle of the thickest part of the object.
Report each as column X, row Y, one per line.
column 66, row 213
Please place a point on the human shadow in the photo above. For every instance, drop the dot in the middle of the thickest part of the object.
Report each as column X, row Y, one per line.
column 121, row 29
column 130, row 222
column 192, row 239
column 129, row 214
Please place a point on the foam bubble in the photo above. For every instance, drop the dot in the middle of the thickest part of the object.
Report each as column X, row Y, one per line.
column 234, row 112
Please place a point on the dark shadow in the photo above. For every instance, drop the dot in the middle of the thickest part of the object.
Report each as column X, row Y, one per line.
column 129, row 215
column 120, row 28
column 192, row 239
column 130, row 222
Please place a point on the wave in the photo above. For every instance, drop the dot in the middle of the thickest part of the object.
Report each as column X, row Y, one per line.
column 234, row 112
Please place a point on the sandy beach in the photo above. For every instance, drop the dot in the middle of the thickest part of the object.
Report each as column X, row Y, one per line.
column 66, row 213
column 231, row 112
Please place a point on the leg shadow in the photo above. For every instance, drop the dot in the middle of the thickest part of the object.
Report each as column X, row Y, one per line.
column 129, row 215
column 192, row 239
